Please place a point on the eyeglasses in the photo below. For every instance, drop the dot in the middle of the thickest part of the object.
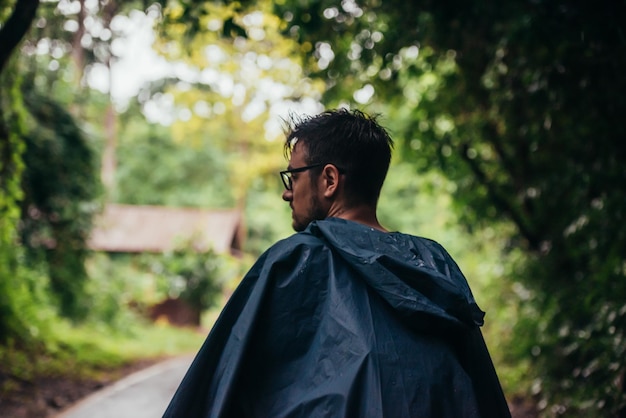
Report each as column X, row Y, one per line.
column 286, row 175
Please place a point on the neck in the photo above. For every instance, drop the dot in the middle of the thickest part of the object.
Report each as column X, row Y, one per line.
column 363, row 214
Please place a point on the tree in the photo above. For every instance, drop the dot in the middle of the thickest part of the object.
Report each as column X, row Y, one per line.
column 15, row 27
column 26, row 208
column 235, row 77
column 16, row 298
column 180, row 174
column 61, row 187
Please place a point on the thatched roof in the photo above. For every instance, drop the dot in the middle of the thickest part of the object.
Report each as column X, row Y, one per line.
column 130, row 228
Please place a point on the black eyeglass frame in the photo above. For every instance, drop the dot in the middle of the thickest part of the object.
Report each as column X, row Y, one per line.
column 285, row 175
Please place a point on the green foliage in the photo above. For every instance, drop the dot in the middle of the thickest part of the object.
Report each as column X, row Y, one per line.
column 90, row 352
column 25, row 313
column 193, row 276
column 180, row 174
column 268, row 217
column 123, row 287
column 61, row 186
column 12, row 127
column 117, row 290
column 28, row 313
column 47, row 190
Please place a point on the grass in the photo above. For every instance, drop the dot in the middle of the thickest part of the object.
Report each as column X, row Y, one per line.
column 91, row 352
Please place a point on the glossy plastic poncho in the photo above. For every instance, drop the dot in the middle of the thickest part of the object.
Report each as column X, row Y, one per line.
column 342, row 320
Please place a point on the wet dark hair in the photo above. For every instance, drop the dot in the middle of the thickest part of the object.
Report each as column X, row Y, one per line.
column 352, row 141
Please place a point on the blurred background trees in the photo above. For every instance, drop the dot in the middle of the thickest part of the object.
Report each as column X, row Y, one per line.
column 60, row 183
column 507, row 119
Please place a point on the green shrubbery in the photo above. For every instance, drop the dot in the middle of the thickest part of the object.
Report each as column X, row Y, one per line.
column 63, row 310
column 193, row 276
column 114, row 329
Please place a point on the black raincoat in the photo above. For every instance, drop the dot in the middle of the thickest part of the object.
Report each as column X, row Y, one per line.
column 342, row 320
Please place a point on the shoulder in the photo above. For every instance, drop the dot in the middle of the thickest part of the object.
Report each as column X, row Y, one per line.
column 431, row 246
column 291, row 263
column 301, row 244
column 300, row 239
column 433, row 254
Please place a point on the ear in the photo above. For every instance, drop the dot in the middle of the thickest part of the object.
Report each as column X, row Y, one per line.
column 331, row 180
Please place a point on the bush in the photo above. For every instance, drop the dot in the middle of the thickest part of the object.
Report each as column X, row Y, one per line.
column 196, row 277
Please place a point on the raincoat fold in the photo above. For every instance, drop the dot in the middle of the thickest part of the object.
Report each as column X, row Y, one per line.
column 342, row 320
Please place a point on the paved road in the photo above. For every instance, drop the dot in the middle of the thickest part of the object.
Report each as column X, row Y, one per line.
column 144, row 394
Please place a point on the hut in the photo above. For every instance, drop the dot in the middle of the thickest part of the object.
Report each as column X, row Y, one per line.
column 137, row 229
column 157, row 229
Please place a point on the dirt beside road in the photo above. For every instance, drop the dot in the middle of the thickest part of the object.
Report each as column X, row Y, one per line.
column 44, row 397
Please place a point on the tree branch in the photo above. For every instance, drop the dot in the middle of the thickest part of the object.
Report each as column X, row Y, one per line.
column 16, row 27
column 500, row 201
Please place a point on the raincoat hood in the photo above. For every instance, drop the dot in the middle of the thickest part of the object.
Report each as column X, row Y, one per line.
column 416, row 276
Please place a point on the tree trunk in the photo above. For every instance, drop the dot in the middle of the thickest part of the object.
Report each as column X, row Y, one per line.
column 109, row 162
column 78, row 52
column 16, row 27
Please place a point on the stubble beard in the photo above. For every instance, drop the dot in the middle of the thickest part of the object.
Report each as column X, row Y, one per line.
column 315, row 212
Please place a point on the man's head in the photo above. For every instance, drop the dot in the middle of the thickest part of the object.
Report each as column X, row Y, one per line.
column 347, row 149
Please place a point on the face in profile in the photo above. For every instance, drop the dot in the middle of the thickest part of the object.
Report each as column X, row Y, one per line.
column 303, row 198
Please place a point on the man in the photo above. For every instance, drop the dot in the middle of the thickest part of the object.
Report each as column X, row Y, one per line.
column 344, row 318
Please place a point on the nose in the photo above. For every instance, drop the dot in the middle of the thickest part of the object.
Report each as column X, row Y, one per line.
column 287, row 195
